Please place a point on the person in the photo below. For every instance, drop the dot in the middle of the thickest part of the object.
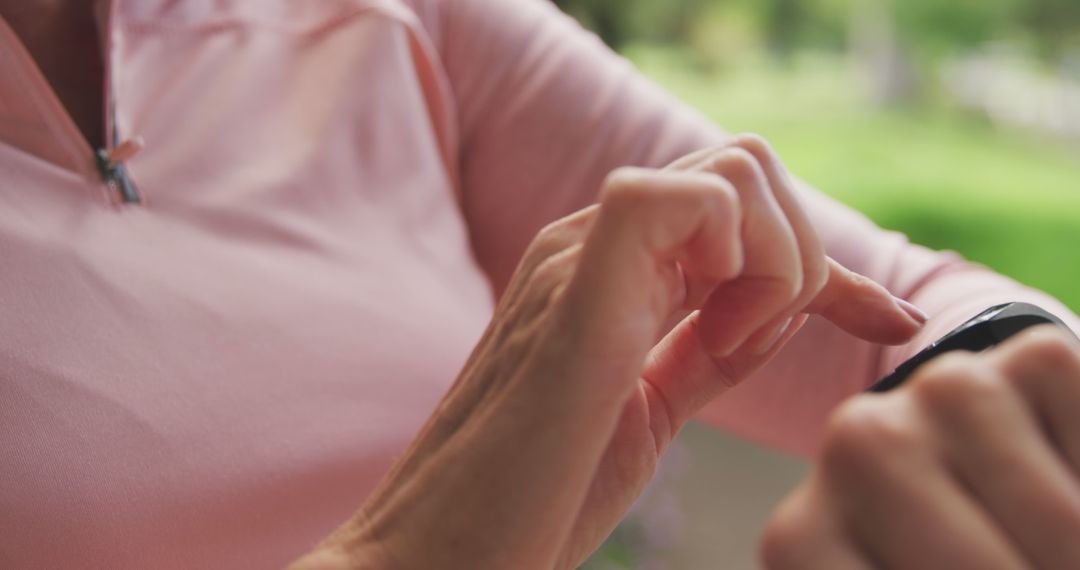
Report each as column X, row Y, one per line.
column 234, row 296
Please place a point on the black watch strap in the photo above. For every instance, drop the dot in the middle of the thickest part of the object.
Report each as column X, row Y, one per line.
column 978, row 333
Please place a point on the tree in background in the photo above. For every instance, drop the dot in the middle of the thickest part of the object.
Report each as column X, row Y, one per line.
column 1055, row 25
column 928, row 27
column 620, row 21
column 608, row 18
column 782, row 21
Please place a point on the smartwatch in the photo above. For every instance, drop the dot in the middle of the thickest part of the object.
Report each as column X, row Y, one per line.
column 983, row 331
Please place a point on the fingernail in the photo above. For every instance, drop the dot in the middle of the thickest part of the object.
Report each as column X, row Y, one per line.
column 770, row 341
column 912, row 311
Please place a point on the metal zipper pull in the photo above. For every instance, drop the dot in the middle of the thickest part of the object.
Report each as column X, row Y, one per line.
column 110, row 164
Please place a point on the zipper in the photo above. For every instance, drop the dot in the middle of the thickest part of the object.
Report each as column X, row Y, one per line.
column 110, row 169
column 110, row 159
column 116, row 177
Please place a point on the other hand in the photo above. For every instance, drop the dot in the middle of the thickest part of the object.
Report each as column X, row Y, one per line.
column 974, row 463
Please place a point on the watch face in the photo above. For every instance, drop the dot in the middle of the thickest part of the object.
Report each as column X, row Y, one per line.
column 984, row 330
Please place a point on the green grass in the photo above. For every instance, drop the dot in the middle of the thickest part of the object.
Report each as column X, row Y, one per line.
column 949, row 181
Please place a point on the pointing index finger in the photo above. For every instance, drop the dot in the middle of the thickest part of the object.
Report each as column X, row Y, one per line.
column 864, row 308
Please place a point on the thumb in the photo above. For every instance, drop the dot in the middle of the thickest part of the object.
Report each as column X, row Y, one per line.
column 685, row 377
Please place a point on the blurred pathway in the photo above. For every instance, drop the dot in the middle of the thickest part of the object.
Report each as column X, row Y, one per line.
column 1013, row 94
column 727, row 494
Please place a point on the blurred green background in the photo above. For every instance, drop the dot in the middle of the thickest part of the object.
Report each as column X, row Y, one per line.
column 954, row 121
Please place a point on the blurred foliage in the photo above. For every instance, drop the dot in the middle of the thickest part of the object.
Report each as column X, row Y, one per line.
column 1054, row 23
column 936, row 27
column 948, row 181
column 617, row 21
column 1050, row 27
column 946, row 178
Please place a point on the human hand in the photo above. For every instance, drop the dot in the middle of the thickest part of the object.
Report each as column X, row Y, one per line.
column 975, row 463
column 561, row 413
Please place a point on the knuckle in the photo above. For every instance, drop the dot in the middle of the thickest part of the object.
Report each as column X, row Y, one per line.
column 756, row 145
column 861, row 432
column 1039, row 360
column 739, row 166
column 692, row 160
column 545, row 244
column 557, row 269
column 627, row 195
column 623, row 184
column 549, row 241
column 549, row 232
column 641, row 198
column 720, row 196
column 860, row 282
column 949, row 383
column 1048, row 345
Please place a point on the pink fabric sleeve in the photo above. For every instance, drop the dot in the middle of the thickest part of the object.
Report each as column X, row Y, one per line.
column 545, row 111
